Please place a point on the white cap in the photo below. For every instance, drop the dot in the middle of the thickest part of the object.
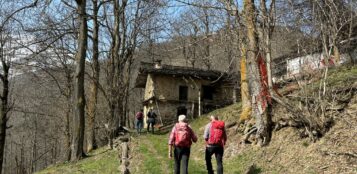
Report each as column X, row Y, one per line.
column 181, row 118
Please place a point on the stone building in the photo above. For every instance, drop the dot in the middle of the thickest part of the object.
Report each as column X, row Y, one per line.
column 174, row 90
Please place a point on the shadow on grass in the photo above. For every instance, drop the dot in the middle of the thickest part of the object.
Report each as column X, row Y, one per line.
column 94, row 153
column 254, row 170
column 161, row 132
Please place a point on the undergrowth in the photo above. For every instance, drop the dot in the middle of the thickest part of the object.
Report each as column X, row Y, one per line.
column 99, row 161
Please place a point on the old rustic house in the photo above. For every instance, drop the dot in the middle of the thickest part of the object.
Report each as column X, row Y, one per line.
column 174, row 90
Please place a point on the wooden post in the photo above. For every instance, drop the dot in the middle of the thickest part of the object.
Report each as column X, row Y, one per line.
column 124, row 156
column 199, row 102
column 193, row 110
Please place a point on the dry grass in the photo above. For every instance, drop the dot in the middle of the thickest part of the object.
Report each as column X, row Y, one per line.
column 287, row 152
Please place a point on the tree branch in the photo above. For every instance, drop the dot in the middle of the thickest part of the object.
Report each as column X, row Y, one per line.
column 16, row 11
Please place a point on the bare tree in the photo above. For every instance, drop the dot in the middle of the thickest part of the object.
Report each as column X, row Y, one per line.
column 6, row 59
column 93, row 98
column 79, row 112
column 259, row 101
column 124, row 29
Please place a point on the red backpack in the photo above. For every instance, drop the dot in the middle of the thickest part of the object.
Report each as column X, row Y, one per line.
column 139, row 116
column 182, row 135
column 216, row 133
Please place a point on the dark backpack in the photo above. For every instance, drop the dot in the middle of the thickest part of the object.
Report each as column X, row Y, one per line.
column 182, row 135
column 216, row 133
column 151, row 115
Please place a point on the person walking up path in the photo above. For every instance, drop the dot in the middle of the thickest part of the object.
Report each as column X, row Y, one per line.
column 181, row 138
column 151, row 120
column 139, row 121
column 215, row 137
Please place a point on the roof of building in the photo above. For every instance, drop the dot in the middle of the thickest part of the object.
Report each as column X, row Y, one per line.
column 149, row 68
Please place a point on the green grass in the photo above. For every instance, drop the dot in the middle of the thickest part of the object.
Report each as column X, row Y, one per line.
column 149, row 152
column 105, row 161
column 305, row 144
column 337, row 77
column 155, row 160
column 341, row 75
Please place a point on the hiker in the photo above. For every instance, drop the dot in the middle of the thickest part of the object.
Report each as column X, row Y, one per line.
column 151, row 120
column 139, row 121
column 181, row 138
column 215, row 137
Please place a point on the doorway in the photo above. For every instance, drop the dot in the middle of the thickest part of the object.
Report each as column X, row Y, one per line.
column 182, row 110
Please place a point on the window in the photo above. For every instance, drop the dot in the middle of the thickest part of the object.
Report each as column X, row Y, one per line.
column 181, row 111
column 207, row 92
column 183, row 93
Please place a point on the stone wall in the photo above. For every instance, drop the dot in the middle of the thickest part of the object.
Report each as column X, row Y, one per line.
column 166, row 103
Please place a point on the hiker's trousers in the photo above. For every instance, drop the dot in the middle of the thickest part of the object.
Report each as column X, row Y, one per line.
column 218, row 152
column 150, row 122
column 139, row 125
column 181, row 155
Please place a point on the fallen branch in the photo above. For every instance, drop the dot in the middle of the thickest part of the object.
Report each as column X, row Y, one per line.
column 229, row 125
column 311, row 126
column 349, row 154
column 253, row 129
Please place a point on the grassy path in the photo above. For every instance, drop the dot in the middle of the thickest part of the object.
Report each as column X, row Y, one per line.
column 152, row 157
column 149, row 154
column 151, row 151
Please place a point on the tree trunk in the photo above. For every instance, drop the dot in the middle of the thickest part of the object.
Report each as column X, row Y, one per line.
column 127, row 94
column 114, row 80
column 3, row 108
column 34, row 149
column 110, row 131
column 258, row 101
column 246, row 106
column 336, row 55
column 268, row 26
column 79, row 112
column 92, row 104
column 67, row 134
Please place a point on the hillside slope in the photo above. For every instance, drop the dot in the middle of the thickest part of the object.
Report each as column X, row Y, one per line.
column 335, row 152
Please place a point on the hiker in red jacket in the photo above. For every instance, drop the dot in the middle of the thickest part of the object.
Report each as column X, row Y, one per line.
column 181, row 138
column 216, row 137
column 139, row 121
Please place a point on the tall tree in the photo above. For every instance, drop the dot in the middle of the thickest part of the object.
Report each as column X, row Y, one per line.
column 259, row 101
column 5, row 59
column 4, row 107
column 232, row 9
column 79, row 112
column 93, row 98
column 267, row 27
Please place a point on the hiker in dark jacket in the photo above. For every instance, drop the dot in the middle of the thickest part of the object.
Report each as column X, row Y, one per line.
column 215, row 137
column 139, row 121
column 181, row 138
column 151, row 116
